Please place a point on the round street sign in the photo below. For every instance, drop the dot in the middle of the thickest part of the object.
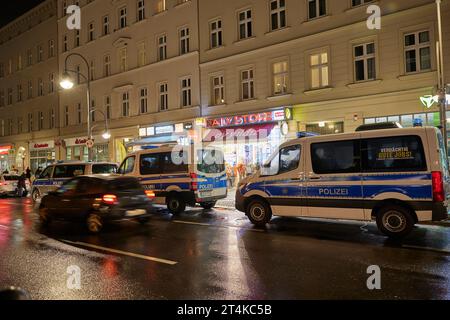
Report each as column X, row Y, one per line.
column 90, row 143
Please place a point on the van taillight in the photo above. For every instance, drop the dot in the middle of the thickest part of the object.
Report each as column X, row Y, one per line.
column 109, row 199
column 438, row 186
column 194, row 182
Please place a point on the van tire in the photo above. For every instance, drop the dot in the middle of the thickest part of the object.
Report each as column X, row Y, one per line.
column 259, row 212
column 208, row 205
column 395, row 221
column 176, row 204
column 36, row 195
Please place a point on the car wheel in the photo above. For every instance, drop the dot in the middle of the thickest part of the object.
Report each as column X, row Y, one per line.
column 36, row 195
column 94, row 223
column 208, row 205
column 259, row 212
column 143, row 220
column 44, row 216
column 395, row 221
column 176, row 204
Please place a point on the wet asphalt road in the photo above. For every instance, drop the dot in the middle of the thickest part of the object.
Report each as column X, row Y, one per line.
column 218, row 255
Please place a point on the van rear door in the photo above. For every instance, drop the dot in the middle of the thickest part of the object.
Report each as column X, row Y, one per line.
column 211, row 174
column 443, row 163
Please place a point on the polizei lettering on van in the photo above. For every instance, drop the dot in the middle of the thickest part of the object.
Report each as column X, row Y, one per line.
column 333, row 192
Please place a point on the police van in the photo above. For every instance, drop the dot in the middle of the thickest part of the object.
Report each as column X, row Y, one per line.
column 53, row 176
column 179, row 176
column 397, row 177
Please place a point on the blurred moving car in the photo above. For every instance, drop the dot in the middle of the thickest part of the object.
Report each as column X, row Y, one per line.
column 55, row 175
column 9, row 185
column 97, row 199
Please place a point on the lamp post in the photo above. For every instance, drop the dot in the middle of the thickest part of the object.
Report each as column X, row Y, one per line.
column 441, row 78
column 67, row 83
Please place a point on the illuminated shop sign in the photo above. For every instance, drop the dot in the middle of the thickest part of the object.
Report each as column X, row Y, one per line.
column 42, row 145
column 429, row 100
column 247, row 119
column 4, row 150
column 169, row 129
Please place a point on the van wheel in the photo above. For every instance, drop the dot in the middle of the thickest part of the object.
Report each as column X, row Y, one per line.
column 395, row 221
column 94, row 223
column 44, row 216
column 176, row 204
column 259, row 212
column 208, row 205
column 36, row 195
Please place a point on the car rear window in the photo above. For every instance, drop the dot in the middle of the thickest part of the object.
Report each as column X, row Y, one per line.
column 104, row 168
column 126, row 185
column 11, row 178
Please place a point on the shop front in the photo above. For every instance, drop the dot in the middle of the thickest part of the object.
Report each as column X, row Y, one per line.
column 77, row 150
column 248, row 140
column 42, row 154
column 6, row 157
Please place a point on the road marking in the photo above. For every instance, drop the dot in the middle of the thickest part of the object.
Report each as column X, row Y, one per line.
column 216, row 226
column 193, row 223
column 426, row 249
column 120, row 252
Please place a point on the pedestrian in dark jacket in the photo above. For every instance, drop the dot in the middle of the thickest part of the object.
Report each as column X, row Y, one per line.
column 22, row 185
column 28, row 174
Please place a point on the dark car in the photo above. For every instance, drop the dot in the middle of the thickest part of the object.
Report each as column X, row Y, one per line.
column 97, row 199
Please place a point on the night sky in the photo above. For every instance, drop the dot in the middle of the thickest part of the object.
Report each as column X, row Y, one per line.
column 13, row 9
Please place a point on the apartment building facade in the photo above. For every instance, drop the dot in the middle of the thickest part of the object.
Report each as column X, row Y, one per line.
column 143, row 72
column 28, row 89
column 285, row 66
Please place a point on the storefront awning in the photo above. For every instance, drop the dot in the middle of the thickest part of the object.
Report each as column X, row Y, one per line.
column 260, row 131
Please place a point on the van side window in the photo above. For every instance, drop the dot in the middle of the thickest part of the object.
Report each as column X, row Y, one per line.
column 68, row 171
column 393, row 154
column 150, row 164
column 336, row 157
column 47, row 174
column 286, row 160
column 170, row 167
column 127, row 165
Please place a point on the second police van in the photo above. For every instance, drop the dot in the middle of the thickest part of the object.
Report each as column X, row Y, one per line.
column 397, row 177
column 179, row 176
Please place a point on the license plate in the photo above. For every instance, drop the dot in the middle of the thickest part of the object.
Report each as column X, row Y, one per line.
column 133, row 213
column 205, row 194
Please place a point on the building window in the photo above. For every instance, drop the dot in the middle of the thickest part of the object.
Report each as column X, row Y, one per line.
column 123, row 59
column 91, row 32
column 417, row 52
column 92, row 69
column 245, row 24
column 19, row 93
column 122, row 17
column 143, row 101
column 162, row 48
column 51, row 83
column 108, row 107
column 140, row 10
column 10, row 67
column 186, row 92
column 66, row 116
column 218, row 90
column 78, row 71
column 52, row 119
column 184, row 41
column 163, row 97
column 160, row 6
column 2, row 70
column 29, row 58
column 40, row 54
column 77, row 38
column 79, row 113
column 30, row 122
column 317, row 8
column 277, row 14
column 19, row 62
column 30, row 89
column 65, row 46
column 40, row 88
column 105, row 25
column 280, row 78
column 19, row 125
column 125, row 104
column 216, row 33
column 40, row 120
column 142, row 59
column 356, row 3
column 107, row 65
column 364, row 56
column 51, row 49
column 319, row 70
column 247, row 85
column 10, row 126
column 64, row 8
column 10, row 96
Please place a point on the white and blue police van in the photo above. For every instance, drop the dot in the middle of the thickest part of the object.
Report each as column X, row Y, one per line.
column 179, row 175
column 53, row 176
column 397, row 177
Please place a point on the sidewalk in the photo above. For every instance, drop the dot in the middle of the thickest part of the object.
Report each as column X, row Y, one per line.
column 228, row 202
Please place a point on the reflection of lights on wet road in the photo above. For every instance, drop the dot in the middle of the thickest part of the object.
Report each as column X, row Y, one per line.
column 109, row 267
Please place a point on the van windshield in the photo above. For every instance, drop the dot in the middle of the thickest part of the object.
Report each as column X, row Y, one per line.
column 210, row 161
